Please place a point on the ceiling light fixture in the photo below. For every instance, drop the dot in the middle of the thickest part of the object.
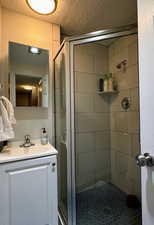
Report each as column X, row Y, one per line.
column 34, row 50
column 43, row 7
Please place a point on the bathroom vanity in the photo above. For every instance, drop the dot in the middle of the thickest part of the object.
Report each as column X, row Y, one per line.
column 28, row 187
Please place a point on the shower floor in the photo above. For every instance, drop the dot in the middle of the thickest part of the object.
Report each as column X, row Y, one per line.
column 105, row 205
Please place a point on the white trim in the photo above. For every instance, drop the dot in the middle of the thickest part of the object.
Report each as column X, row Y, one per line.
column 72, row 95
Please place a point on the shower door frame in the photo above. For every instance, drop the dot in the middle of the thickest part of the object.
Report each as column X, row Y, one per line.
column 70, row 102
column 69, row 133
column 79, row 40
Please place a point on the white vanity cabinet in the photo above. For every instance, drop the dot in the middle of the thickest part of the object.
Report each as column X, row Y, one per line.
column 28, row 192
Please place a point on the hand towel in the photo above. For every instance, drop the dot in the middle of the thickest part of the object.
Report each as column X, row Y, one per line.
column 6, row 120
column 10, row 110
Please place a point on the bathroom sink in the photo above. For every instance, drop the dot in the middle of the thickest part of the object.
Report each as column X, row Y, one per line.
column 13, row 152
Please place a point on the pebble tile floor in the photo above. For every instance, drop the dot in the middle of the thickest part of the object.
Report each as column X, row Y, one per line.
column 105, row 205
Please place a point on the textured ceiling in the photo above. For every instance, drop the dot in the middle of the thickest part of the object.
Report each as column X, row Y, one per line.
column 82, row 16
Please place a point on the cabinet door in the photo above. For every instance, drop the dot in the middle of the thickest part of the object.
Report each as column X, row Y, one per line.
column 29, row 192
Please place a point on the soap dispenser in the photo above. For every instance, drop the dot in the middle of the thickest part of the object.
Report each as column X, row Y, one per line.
column 44, row 136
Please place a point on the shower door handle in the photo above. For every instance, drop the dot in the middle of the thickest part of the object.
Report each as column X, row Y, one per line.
column 145, row 160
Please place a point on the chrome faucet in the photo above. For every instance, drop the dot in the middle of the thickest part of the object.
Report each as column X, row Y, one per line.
column 27, row 142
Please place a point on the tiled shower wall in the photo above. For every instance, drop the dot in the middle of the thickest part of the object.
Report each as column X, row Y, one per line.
column 124, row 125
column 107, row 137
column 92, row 116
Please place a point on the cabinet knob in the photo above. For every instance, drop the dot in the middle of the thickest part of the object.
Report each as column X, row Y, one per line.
column 53, row 167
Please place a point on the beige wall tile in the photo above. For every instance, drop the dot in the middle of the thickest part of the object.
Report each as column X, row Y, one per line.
column 101, row 61
column 113, row 166
column 115, row 132
column 84, row 103
column 102, row 159
column 120, row 44
column 88, row 160
column 132, row 80
column 85, row 180
column 101, row 103
column 115, row 101
column 128, row 79
column 135, row 145
column 113, row 116
column 133, row 170
column 92, row 115
column 84, row 63
column 101, row 122
column 133, row 54
column 122, row 80
column 86, row 83
column 122, row 121
column 92, row 122
column 134, row 93
column 132, row 38
column 102, row 140
column 102, row 175
column 90, row 49
column 100, row 65
column 133, row 122
column 85, row 142
column 125, row 144
column 120, row 55
column 121, row 142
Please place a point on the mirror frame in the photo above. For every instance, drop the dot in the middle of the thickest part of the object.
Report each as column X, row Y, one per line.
column 11, row 79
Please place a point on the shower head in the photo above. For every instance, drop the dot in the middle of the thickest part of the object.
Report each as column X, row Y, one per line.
column 121, row 64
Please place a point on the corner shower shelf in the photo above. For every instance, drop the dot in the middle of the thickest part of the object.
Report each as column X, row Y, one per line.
column 107, row 92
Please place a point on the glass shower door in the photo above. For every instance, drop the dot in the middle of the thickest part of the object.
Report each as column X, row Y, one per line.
column 108, row 189
column 61, row 131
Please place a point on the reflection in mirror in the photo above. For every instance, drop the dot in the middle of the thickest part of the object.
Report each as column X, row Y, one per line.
column 29, row 69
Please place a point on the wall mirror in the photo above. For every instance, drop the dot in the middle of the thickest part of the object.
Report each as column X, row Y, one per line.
column 28, row 75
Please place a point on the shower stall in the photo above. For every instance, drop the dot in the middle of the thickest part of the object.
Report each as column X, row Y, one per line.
column 97, row 128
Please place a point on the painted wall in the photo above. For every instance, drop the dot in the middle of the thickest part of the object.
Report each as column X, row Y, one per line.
column 124, row 128
column 29, row 31
column 0, row 21
column 0, row 41
column 92, row 116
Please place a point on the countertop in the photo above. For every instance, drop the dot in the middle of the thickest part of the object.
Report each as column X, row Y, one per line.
column 13, row 152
